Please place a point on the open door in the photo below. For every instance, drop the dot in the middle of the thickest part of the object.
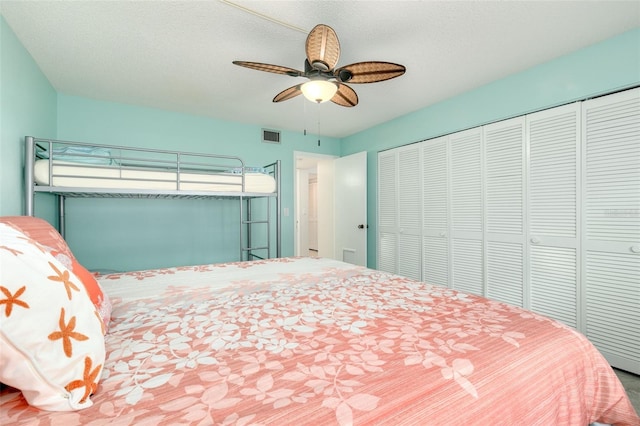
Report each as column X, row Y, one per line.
column 341, row 206
column 350, row 208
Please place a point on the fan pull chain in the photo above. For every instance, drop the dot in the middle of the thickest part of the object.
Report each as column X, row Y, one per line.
column 304, row 115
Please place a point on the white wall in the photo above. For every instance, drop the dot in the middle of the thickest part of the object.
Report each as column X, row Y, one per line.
column 326, row 226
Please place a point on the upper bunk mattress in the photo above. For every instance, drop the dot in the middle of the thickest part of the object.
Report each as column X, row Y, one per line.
column 74, row 175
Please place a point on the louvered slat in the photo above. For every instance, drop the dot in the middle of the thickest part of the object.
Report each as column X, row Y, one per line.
column 553, row 174
column 505, row 272
column 466, row 182
column 387, row 252
column 553, row 283
column 434, row 160
column 409, row 201
column 467, row 266
column 504, row 146
column 613, row 297
column 435, row 264
column 387, row 201
column 409, row 256
column 612, row 170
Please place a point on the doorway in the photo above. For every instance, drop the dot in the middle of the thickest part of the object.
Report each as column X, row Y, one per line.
column 313, row 199
column 331, row 203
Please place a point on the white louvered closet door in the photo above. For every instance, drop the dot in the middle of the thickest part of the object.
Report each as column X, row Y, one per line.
column 409, row 212
column 611, row 231
column 435, row 212
column 387, row 211
column 504, row 211
column 553, row 143
column 465, row 177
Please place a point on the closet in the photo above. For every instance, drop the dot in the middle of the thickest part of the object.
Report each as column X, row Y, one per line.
column 540, row 211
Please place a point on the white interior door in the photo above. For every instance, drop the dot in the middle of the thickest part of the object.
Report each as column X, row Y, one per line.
column 350, row 208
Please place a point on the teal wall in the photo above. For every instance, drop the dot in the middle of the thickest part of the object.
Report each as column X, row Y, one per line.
column 27, row 105
column 608, row 66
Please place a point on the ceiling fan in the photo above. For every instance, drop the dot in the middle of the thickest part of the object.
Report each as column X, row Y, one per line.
column 325, row 81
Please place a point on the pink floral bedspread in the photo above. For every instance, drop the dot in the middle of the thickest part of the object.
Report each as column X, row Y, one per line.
column 307, row 341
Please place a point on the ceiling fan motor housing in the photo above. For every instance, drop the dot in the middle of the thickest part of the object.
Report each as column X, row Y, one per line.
column 344, row 75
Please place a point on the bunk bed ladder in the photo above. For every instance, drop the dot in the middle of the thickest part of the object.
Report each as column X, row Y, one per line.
column 254, row 249
column 260, row 251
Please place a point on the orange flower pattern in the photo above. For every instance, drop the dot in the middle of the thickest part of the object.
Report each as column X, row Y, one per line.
column 89, row 380
column 65, row 278
column 67, row 333
column 12, row 299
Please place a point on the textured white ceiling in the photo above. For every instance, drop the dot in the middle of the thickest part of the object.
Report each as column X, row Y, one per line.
column 177, row 55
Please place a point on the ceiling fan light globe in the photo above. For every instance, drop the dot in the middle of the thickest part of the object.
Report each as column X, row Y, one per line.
column 319, row 90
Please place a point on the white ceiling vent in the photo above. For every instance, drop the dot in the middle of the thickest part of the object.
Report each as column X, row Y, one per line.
column 270, row 136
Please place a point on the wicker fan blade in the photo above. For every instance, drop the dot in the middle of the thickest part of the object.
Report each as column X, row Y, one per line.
column 323, row 48
column 369, row 72
column 269, row 68
column 289, row 93
column 345, row 96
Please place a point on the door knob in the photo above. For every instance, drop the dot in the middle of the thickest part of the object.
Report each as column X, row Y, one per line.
column 635, row 248
column 361, row 226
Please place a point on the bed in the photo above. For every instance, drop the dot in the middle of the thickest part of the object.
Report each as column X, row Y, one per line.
column 321, row 342
column 80, row 169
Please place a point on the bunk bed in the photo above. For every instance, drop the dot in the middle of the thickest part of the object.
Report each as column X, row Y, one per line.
column 77, row 169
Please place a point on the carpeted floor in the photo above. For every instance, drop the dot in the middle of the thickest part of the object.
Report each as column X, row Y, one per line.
column 631, row 383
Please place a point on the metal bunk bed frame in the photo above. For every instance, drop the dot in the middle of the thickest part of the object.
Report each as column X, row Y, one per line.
column 34, row 147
